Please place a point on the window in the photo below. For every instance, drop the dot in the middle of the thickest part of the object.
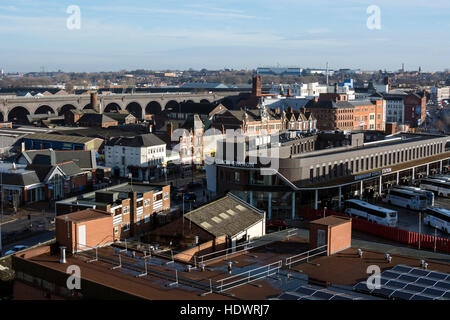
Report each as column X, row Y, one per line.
column 126, row 209
column 318, row 172
column 166, row 195
column 311, row 175
column 146, row 202
column 126, row 227
column 237, row 177
column 116, row 230
column 147, row 219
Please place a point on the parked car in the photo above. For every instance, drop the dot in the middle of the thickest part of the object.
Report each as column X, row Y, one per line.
column 15, row 249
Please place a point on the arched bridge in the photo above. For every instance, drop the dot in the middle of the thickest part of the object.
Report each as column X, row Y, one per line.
column 139, row 104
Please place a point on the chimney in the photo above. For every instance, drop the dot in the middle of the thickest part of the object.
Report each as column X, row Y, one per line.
column 94, row 101
column 256, row 90
column 170, row 129
column 63, row 255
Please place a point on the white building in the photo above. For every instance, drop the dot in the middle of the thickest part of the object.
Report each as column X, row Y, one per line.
column 300, row 90
column 143, row 156
column 439, row 94
column 394, row 106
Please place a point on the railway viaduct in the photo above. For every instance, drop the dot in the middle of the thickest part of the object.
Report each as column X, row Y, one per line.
column 139, row 104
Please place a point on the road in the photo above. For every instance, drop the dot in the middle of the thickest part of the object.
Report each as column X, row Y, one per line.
column 409, row 219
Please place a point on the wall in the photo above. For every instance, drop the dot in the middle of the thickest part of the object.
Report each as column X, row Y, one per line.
column 340, row 237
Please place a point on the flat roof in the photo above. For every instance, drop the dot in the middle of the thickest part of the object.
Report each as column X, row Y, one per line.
column 376, row 144
column 343, row 269
column 332, row 220
column 84, row 215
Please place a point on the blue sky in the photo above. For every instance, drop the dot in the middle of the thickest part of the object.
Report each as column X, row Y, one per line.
column 175, row 34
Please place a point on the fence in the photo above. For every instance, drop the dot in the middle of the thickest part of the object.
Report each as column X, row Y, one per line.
column 305, row 256
column 249, row 276
column 395, row 234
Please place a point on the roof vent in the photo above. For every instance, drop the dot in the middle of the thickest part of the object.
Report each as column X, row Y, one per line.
column 63, row 255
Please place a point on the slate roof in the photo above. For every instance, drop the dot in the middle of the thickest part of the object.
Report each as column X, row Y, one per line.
column 57, row 137
column 328, row 104
column 22, row 178
column 95, row 118
column 118, row 116
column 144, row 140
column 225, row 216
column 84, row 159
column 42, row 170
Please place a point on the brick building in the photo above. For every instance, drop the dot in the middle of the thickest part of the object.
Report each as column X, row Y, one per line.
column 134, row 207
column 415, row 109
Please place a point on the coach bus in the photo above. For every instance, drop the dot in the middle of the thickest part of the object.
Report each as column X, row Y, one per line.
column 438, row 186
column 406, row 198
column 370, row 212
column 426, row 193
column 438, row 218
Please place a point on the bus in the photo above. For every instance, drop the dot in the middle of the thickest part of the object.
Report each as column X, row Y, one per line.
column 370, row 212
column 406, row 198
column 438, row 218
column 444, row 177
column 427, row 193
column 440, row 187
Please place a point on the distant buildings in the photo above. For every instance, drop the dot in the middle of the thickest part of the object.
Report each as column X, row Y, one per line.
column 439, row 94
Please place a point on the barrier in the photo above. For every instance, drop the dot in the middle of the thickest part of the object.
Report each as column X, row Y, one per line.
column 389, row 233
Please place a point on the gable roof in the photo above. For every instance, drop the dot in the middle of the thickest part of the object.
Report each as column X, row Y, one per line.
column 95, row 118
column 226, row 216
column 23, row 178
column 84, row 159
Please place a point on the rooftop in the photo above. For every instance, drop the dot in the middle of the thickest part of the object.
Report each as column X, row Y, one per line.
column 225, row 216
column 84, row 215
column 259, row 272
column 57, row 137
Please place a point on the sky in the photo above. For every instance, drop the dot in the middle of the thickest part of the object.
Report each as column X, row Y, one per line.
column 215, row 34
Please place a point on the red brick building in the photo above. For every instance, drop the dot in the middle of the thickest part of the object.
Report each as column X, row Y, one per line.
column 134, row 208
column 415, row 109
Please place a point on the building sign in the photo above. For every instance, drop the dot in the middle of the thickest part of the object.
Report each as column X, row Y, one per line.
column 368, row 175
column 235, row 163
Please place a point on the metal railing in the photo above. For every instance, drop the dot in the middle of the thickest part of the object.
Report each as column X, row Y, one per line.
column 248, row 276
column 201, row 259
column 305, row 256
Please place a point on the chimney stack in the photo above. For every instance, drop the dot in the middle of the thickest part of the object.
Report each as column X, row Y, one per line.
column 94, row 101
column 170, row 129
column 256, row 90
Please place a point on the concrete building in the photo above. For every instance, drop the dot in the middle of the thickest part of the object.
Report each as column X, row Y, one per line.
column 280, row 181
column 140, row 155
